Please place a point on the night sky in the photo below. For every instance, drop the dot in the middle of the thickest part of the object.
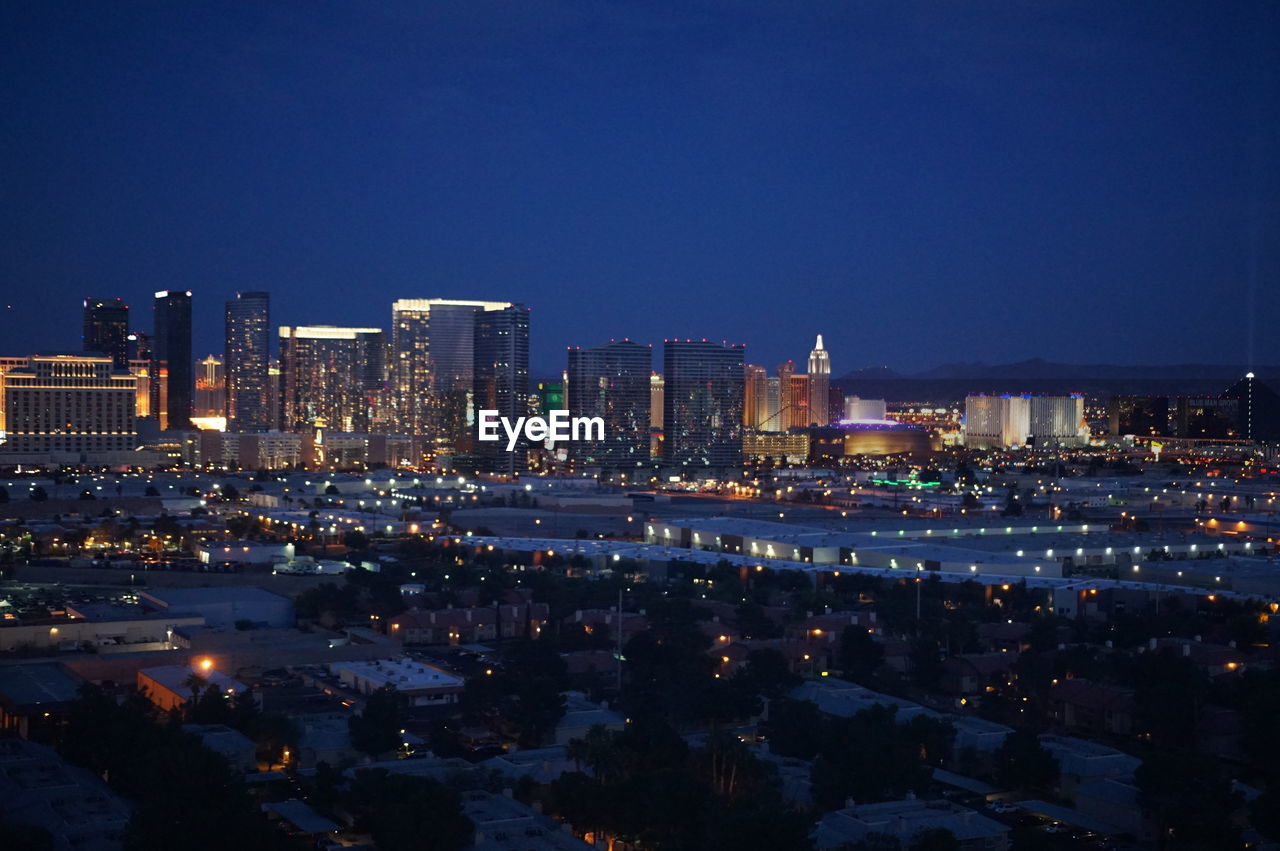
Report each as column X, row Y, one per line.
column 921, row 182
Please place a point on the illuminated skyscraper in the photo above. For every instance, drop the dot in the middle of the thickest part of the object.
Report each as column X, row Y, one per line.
column 1008, row 420
column 752, row 390
column 761, row 400
column 657, row 404
column 433, row 366
column 501, row 379
column 248, row 342
column 77, row 404
column 702, row 416
column 331, row 376
column 611, row 381
column 785, row 371
column 106, row 329
column 172, row 379
column 798, row 415
column 211, row 388
column 819, row 385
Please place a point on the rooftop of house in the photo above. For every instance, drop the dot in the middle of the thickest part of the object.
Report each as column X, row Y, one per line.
column 404, row 674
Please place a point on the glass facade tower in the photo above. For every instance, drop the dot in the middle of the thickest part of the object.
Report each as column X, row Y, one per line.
column 702, row 405
column 248, row 356
column 500, row 371
column 172, row 368
column 612, row 382
column 106, row 329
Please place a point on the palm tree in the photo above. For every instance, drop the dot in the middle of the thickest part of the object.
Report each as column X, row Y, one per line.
column 598, row 751
column 196, row 683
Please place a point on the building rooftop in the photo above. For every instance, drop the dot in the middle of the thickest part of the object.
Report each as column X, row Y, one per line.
column 220, row 738
column 904, row 819
column 180, row 598
column 301, row 816
column 404, row 674
column 37, row 787
column 30, row 685
column 176, row 677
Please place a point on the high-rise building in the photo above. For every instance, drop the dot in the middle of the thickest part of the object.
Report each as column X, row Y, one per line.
column 331, row 376
column 1146, row 416
column 69, row 403
column 248, row 345
column 106, row 329
column 798, row 415
column 275, row 389
column 1208, row 418
column 753, row 389
column 432, row 366
column 7, row 365
column 784, row 372
column 501, row 374
column 702, row 416
column 761, row 400
column 772, row 421
column 611, row 381
column 211, row 388
column 657, row 404
column 819, row 385
column 857, row 408
column 1057, row 421
column 172, row 379
column 550, row 396
column 1004, row 421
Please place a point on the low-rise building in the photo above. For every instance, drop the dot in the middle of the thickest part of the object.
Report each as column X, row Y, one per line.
column 1081, row 761
column 907, row 819
column 505, row 824
column 580, row 715
column 223, row 606
column 1091, row 706
column 38, row 788
column 172, row 686
column 235, row 747
column 35, row 697
column 419, row 683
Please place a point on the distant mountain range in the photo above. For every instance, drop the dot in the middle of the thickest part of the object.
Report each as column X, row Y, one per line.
column 955, row 380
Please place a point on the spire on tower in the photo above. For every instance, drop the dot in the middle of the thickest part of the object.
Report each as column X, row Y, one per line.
column 819, row 346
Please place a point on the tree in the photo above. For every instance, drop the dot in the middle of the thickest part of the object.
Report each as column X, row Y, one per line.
column 860, row 654
column 376, row 730
column 871, row 757
column 935, row 839
column 753, row 622
column 597, row 751
column 405, row 813
column 796, row 728
column 28, row 837
column 1022, row 763
column 332, row 490
column 195, row 684
column 1190, row 796
column 767, row 673
column 38, row 494
column 183, row 795
column 355, row 540
column 151, row 491
column 4, row 494
column 1264, row 812
column 211, row 707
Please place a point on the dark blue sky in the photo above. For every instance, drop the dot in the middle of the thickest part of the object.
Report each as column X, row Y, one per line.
column 921, row 182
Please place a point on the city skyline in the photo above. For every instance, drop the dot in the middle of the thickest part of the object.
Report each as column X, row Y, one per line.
column 768, row 426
